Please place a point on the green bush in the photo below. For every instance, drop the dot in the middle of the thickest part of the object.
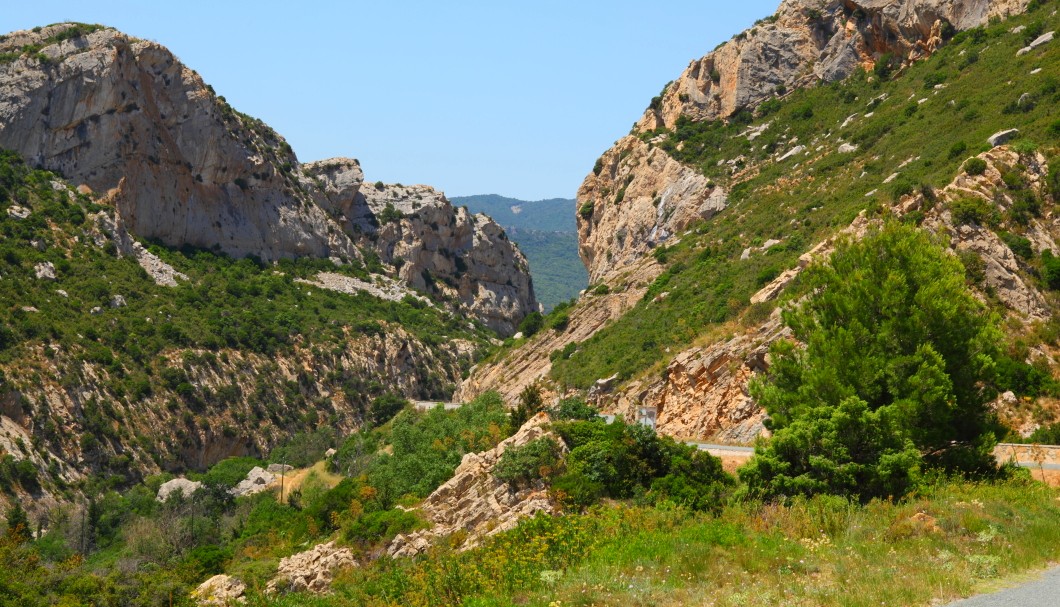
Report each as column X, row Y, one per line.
column 975, row 166
column 531, row 324
column 893, row 377
column 520, row 466
column 971, row 211
column 1051, row 269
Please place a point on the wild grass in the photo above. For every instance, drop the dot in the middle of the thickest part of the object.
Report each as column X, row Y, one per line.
column 946, row 542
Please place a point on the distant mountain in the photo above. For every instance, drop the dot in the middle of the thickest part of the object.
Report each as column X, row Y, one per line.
column 546, row 233
column 552, row 215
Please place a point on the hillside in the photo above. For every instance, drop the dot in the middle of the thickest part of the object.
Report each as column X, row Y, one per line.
column 687, row 224
column 550, row 215
column 177, row 288
column 546, row 233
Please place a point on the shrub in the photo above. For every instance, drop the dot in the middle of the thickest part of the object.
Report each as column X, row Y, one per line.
column 975, row 166
column 531, row 324
column 385, row 407
column 1051, row 269
column 970, row 211
column 521, row 466
column 1020, row 246
column 958, row 149
column 586, row 210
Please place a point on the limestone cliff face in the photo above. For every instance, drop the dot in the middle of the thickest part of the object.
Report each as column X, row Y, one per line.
column 124, row 117
column 637, row 196
column 115, row 113
column 807, row 41
column 434, row 246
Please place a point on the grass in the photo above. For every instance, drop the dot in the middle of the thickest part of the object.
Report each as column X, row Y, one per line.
column 951, row 540
column 809, row 197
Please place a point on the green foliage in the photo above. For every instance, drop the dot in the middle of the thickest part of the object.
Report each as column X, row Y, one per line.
column 228, row 472
column 18, row 528
column 425, row 448
column 531, row 324
column 622, row 460
column 893, row 377
column 303, row 449
column 975, row 166
column 1051, row 269
column 573, row 409
column 970, row 210
column 1020, row 245
column 522, row 465
column 385, row 407
column 530, row 404
column 390, row 214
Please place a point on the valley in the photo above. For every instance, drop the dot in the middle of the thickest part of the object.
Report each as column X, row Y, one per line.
column 795, row 340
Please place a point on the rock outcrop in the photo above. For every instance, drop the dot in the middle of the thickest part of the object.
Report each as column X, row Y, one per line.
column 312, row 570
column 637, row 195
column 220, row 591
column 257, row 480
column 435, row 247
column 475, row 502
column 124, row 118
column 182, row 486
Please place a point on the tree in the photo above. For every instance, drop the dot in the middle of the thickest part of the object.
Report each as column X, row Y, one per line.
column 17, row 524
column 894, row 374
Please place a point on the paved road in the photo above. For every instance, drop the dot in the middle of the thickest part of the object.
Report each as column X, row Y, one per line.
column 1042, row 592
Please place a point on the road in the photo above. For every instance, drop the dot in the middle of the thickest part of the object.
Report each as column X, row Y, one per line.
column 1042, row 592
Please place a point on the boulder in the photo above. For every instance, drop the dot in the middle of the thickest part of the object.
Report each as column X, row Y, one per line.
column 178, row 485
column 44, row 271
column 257, row 480
column 475, row 503
column 220, row 591
column 279, row 468
column 312, row 570
column 1002, row 137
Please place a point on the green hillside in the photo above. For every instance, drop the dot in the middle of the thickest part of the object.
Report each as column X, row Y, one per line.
column 546, row 233
column 551, row 215
column 972, row 87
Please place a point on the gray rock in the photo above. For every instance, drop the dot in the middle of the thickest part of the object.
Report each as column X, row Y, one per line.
column 1040, row 40
column 44, row 271
column 279, row 468
column 847, row 148
column 1002, row 137
column 18, row 212
column 178, row 485
column 257, row 480
column 117, row 302
column 792, row 152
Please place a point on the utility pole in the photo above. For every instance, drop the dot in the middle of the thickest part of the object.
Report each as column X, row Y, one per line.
column 283, row 472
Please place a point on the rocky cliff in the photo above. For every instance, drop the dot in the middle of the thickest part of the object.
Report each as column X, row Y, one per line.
column 638, row 196
column 124, row 117
column 434, row 246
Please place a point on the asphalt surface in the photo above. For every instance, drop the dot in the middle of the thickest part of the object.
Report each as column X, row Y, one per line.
column 1042, row 592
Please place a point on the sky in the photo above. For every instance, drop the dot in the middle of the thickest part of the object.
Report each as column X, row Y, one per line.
column 475, row 97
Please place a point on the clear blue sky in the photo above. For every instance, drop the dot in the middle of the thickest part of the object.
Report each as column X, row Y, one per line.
column 514, row 98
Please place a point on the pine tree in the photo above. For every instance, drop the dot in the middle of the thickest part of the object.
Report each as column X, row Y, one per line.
column 892, row 376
